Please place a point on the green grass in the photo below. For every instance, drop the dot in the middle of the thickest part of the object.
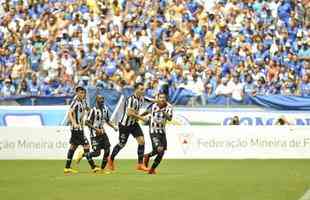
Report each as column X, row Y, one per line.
column 177, row 179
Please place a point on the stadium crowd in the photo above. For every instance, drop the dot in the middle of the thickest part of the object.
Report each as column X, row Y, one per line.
column 234, row 48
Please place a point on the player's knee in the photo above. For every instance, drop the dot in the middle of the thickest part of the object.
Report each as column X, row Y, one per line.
column 140, row 141
column 160, row 149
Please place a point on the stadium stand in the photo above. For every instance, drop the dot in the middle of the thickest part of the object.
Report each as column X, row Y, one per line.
column 233, row 48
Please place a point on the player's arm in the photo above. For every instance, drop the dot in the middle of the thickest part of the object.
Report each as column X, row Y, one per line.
column 89, row 124
column 145, row 113
column 168, row 113
column 148, row 110
column 108, row 121
column 149, row 99
column 132, row 113
column 90, row 119
column 73, row 107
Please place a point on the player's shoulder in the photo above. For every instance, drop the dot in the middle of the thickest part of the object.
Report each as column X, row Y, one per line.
column 169, row 105
column 151, row 105
column 130, row 97
column 74, row 102
column 105, row 107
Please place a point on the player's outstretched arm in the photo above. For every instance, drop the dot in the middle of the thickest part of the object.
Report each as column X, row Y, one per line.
column 145, row 113
column 132, row 113
column 168, row 114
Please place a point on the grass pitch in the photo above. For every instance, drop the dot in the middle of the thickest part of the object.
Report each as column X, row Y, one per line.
column 177, row 179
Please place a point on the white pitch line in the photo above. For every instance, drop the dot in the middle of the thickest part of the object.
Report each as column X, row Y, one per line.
column 306, row 196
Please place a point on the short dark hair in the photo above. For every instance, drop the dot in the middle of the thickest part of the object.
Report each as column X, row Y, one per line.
column 79, row 88
column 136, row 85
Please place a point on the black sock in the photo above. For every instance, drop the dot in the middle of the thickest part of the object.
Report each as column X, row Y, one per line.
column 94, row 153
column 69, row 157
column 153, row 153
column 157, row 160
column 105, row 159
column 90, row 160
column 140, row 153
column 115, row 151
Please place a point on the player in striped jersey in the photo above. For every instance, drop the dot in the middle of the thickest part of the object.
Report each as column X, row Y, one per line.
column 160, row 113
column 97, row 117
column 76, row 114
column 129, row 125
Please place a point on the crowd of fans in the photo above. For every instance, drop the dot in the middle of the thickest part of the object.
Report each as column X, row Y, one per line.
column 233, row 48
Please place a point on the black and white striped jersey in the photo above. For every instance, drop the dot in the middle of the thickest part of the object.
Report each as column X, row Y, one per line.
column 84, row 102
column 159, row 117
column 134, row 103
column 98, row 117
column 79, row 109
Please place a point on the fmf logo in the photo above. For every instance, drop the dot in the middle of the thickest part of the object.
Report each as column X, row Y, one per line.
column 262, row 121
column 185, row 136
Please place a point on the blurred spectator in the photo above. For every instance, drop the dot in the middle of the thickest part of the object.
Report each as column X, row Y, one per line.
column 249, row 87
column 282, row 121
column 237, row 88
column 265, row 42
column 305, row 86
column 45, row 87
column 33, row 85
column 8, row 89
column 223, row 88
column 235, row 121
column 23, row 89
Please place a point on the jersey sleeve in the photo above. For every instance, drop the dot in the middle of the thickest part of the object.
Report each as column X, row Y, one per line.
column 169, row 112
column 107, row 116
column 149, row 108
column 91, row 116
column 130, row 102
column 149, row 99
column 73, row 104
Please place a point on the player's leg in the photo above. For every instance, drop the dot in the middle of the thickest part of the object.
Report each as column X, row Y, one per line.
column 105, row 158
column 161, row 146
column 123, row 137
column 89, row 157
column 138, row 134
column 146, row 158
column 74, row 142
column 106, row 148
column 86, row 147
column 140, row 150
column 69, row 159
column 160, row 155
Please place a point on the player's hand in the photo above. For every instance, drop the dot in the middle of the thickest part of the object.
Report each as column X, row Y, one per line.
column 76, row 126
column 145, row 119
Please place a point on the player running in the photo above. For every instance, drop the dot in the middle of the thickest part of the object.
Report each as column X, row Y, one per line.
column 76, row 114
column 129, row 125
column 97, row 117
column 160, row 113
